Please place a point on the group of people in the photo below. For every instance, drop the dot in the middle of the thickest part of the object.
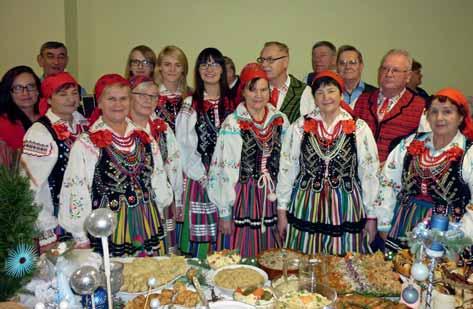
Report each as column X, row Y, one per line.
column 250, row 162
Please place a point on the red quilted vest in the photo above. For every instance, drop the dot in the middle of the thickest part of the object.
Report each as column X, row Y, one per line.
column 402, row 120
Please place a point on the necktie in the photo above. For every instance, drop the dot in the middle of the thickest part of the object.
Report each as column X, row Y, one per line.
column 274, row 96
column 384, row 109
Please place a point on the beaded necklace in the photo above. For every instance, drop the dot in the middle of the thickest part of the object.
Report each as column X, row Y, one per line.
column 129, row 163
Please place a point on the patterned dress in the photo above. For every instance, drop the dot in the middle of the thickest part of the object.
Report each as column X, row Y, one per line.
column 45, row 156
column 197, row 136
column 124, row 174
column 243, row 176
column 418, row 181
column 327, row 182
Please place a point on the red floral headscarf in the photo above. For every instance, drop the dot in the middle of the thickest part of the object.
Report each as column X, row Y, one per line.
column 249, row 72
column 456, row 97
column 50, row 85
column 339, row 80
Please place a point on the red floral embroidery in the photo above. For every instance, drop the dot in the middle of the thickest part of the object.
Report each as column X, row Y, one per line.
column 244, row 124
column 416, row 148
column 278, row 121
column 101, row 138
column 161, row 100
column 348, row 126
column 62, row 131
column 159, row 125
column 143, row 136
column 310, row 125
column 454, row 153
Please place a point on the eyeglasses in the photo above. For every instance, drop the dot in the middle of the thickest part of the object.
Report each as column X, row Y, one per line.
column 145, row 96
column 138, row 63
column 20, row 88
column 208, row 65
column 395, row 71
column 270, row 60
column 348, row 62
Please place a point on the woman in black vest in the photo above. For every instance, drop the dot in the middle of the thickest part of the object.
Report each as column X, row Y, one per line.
column 429, row 173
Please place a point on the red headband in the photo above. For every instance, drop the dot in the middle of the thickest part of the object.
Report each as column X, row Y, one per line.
column 103, row 82
column 456, row 97
column 108, row 80
column 50, row 85
column 136, row 80
column 339, row 80
column 332, row 75
column 249, row 72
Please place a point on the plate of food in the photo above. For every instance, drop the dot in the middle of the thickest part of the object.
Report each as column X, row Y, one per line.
column 223, row 258
column 271, row 261
column 228, row 278
column 179, row 296
column 138, row 271
column 259, row 297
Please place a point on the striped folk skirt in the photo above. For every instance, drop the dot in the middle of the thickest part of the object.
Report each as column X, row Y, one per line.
column 407, row 214
column 330, row 221
column 253, row 235
column 199, row 230
column 139, row 232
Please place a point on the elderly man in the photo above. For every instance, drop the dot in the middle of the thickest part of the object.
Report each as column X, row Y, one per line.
column 52, row 58
column 350, row 66
column 288, row 94
column 393, row 111
column 324, row 55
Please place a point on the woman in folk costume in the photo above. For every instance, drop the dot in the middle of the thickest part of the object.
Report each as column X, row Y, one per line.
column 144, row 97
column 245, row 166
column 46, row 148
column 327, row 176
column 197, row 126
column 171, row 77
column 429, row 173
column 119, row 166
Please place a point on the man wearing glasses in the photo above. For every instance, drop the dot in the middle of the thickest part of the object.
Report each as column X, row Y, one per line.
column 288, row 94
column 350, row 66
column 393, row 111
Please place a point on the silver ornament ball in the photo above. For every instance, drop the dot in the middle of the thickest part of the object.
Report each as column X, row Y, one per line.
column 419, row 271
column 101, row 222
column 410, row 294
column 85, row 280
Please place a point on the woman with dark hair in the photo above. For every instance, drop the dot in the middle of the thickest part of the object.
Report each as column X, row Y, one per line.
column 327, row 176
column 46, row 148
column 141, row 62
column 429, row 173
column 19, row 98
column 197, row 126
column 245, row 166
column 116, row 165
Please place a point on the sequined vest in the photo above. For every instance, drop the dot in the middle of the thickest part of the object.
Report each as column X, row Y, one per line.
column 252, row 154
column 57, row 174
column 168, row 111
column 123, row 179
column 335, row 164
column 207, row 133
column 449, row 194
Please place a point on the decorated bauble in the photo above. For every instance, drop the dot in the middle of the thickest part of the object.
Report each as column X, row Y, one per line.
column 410, row 294
column 64, row 304
column 101, row 222
column 154, row 303
column 152, row 282
column 419, row 271
column 100, row 299
column 85, row 280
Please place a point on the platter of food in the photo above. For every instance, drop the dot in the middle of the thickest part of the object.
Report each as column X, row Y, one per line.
column 259, row 297
column 271, row 261
column 137, row 272
column 228, row 278
column 223, row 258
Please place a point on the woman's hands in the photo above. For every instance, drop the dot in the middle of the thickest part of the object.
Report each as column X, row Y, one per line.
column 282, row 224
column 226, row 227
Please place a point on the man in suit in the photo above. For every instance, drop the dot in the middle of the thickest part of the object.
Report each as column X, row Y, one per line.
column 288, row 94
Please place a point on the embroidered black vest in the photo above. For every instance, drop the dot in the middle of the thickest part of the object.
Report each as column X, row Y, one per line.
column 252, row 153
column 339, row 170
column 449, row 194
column 207, row 134
column 168, row 111
column 57, row 173
column 123, row 179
